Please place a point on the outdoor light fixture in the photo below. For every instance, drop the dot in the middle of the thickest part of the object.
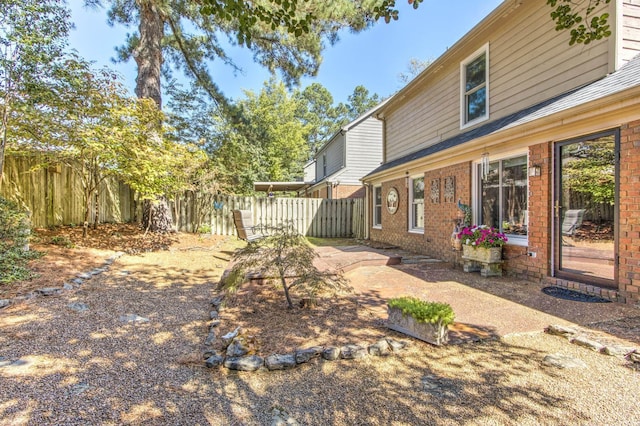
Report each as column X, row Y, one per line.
column 534, row 170
column 485, row 165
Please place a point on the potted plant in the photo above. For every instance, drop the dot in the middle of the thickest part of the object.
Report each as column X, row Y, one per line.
column 482, row 243
column 427, row 321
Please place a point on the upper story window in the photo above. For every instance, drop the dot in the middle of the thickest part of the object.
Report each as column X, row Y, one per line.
column 474, row 77
column 377, row 206
column 503, row 197
column 324, row 164
column 416, row 209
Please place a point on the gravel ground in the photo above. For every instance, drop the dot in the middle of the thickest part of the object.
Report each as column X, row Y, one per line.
column 62, row 367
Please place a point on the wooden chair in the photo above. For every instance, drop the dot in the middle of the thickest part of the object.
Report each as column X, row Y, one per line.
column 244, row 225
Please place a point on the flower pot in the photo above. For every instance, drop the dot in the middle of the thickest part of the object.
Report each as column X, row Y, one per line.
column 436, row 334
column 482, row 254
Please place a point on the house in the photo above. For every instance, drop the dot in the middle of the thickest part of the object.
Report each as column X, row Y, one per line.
column 351, row 153
column 530, row 134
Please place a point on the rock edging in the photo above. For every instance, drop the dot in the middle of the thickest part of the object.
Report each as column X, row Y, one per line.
column 237, row 354
column 576, row 337
column 77, row 281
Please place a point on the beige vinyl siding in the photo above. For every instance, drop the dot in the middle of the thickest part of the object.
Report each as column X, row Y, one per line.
column 364, row 150
column 425, row 117
column 630, row 30
column 527, row 64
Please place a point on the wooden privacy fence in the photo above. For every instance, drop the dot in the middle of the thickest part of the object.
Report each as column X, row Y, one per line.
column 313, row 217
column 53, row 195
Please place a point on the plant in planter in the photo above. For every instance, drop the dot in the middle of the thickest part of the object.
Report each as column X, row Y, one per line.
column 427, row 321
column 482, row 249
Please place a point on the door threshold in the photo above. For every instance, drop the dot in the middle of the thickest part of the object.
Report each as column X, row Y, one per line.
column 590, row 289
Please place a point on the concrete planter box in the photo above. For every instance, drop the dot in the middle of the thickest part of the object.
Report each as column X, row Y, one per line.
column 436, row 334
column 488, row 261
column 482, row 254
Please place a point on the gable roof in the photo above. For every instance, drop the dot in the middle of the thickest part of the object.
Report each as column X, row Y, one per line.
column 625, row 78
column 347, row 127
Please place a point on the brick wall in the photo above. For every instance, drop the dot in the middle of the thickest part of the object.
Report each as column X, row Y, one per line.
column 349, row 191
column 629, row 223
column 440, row 214
column 394, row 227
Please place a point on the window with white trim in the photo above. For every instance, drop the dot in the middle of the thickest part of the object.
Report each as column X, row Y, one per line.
column 377, row 206
column 416, row 203
column 503, row 196
column 474, row 93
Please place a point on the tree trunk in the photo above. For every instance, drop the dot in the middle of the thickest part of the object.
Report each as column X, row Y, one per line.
column 148, row 54
column 156, row 216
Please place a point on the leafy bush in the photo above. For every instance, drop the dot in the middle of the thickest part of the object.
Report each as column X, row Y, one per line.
column 14, row 237
column 204, row 229
column 285, row 256
column 62, row 240
column 422, row 311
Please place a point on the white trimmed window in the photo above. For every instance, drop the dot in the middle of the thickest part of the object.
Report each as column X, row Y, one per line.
column 474, row 88
column 416, row 203
column 502, row 200
column 377, row 206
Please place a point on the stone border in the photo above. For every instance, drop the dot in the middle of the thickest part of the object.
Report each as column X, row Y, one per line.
column 77, row 281
column 574, row 336
column 240, row 360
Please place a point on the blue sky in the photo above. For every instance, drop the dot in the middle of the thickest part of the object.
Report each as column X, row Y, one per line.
column 373, row 58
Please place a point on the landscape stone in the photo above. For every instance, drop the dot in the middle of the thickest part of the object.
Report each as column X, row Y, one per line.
column 214, row 360
column 331, row 353
column 238, row 347
column 280, row 362
column 214, row 324
column 618, row 350
column 97, row 271
column 84, row 275
column 49, row 291
column 634, row 356
column 209, row 353
column 563, row 361
column 380, row 348
column 77, row 281
column 211, row 338
column 214, row 315
column 246, row 363
column 353, row 352
column 78, row 306
column 133, row 318
column 4, row 303
column 588, row 343
column 396, row 345
column 228, row 338
column 67, row 286
column 217, row 301
column 304, row 355
column 280, row 417
column 560, row 330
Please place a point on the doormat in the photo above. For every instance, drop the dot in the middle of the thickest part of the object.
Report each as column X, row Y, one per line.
column 566, row 294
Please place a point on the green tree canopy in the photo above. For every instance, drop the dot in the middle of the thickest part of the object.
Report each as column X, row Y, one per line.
column 33, row 39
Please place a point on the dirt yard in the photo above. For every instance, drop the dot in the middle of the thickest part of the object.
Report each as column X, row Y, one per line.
column 134, row 354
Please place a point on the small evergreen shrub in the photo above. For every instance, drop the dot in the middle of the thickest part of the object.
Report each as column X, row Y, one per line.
column 63, row 241
column 422, row 311
column 14, row 237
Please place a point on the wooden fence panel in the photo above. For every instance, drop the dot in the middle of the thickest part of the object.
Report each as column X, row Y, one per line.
column 54, row 196
column 309, row 216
